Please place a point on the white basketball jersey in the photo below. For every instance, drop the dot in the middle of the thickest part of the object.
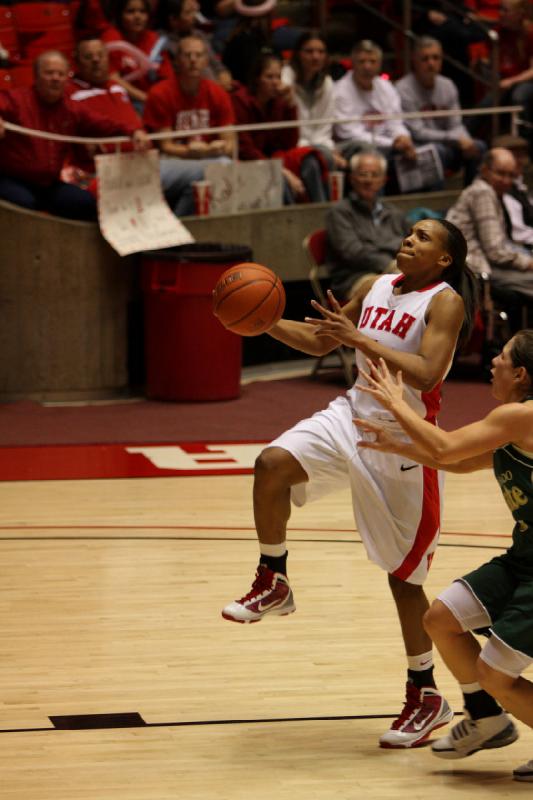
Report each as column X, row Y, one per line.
column 396, row 321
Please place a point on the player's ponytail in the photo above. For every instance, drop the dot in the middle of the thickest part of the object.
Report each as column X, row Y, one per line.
column 460, row 277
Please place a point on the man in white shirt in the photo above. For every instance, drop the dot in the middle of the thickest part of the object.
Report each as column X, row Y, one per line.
column 425, row 89
column 362, row 93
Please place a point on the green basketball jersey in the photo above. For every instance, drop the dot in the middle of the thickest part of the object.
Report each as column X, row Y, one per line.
column 513, row 469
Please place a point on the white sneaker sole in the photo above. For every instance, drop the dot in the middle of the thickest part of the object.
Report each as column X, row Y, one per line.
column 491, row 744
column 234, row 616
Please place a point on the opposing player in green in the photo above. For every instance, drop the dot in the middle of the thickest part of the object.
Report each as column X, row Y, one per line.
column 497, row 596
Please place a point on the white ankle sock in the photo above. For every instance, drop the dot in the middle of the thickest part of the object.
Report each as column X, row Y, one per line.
column 420, row 662
column 275, row 550
column 470, row 688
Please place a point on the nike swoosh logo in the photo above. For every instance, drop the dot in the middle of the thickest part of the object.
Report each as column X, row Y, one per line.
column 419, row 725
column 405, row 469
column 261, row 607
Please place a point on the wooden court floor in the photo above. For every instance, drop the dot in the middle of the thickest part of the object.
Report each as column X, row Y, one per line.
column 110, row 605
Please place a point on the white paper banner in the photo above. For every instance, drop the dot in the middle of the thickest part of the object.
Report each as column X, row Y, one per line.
column 245, row 185
column 132, row 211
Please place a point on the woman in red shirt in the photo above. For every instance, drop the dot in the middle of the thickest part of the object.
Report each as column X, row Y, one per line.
column 134, row 61
column 266, row 99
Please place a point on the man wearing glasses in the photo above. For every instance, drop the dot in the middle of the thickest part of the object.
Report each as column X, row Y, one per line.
column 364, row 233
column 479, row 213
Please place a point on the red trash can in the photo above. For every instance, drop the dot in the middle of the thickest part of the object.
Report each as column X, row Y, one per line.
column 188, row 354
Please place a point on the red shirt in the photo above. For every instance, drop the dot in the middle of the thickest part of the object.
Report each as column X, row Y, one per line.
column 168, row 106
column 40, row 160
column 255, row 145
column 109, row 100
column 125, row 63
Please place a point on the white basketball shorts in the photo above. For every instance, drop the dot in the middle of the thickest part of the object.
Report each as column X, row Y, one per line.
column 396, row 502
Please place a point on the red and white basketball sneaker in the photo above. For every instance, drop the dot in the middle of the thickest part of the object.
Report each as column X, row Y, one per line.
column 424, row 711
column 270, row 594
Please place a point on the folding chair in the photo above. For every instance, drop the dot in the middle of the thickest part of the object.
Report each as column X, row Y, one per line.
column 315, row 248
column 497, row 329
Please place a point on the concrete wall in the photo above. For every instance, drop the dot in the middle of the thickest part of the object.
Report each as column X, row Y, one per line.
column 276, row 236
column 64, row 292
column 63, row 308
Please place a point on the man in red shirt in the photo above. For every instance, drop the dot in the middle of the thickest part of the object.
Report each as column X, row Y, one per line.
column 189, row 101
column 92, row 89
column 30, row 167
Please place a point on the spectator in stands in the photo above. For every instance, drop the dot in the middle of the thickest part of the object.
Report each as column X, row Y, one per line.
column 179, row 20
column 92, row 89
column 516, row 58
column 360, row 93
column 313, row 94
column 479, row 214
column 188, row 101
column 456, row 27
column 518, row 202
column 133, row 50
column 516, row 64
column 30, row 167
column 266, row 99
column 425, row 89
column 364, row 233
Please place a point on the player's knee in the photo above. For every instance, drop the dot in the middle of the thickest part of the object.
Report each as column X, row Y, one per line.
column 273, row 464
column 438, row 619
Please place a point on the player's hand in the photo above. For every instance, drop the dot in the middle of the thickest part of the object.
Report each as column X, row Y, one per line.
column 383, row 440
column 141, row 141
column 334, row 322
column 386, row 389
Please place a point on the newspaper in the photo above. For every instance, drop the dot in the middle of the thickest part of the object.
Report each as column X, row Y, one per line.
column 132, row 211
column 245, row 185
column 423, row 173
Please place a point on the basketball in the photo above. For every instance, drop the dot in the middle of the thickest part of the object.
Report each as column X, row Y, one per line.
column 248, row 299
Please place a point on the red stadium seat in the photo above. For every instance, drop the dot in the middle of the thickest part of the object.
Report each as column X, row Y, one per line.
column 8, row 34
column 44, row 26
column 41, row 17
column 314, row 246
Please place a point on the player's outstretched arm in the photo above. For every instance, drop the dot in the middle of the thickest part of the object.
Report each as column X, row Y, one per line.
column 505, row 424
column 385, row 442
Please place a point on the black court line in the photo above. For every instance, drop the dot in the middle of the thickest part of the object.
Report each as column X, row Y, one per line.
column 23, row 538
column 198, row 723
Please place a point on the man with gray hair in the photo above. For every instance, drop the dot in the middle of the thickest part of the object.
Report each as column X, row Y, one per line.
column 30, row 168
column 479, row 214
column 362, row 93
column 364, row 233
column 425, row 89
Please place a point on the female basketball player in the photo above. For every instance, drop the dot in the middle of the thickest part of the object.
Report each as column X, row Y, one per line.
column 498, row 594
column 413, row 320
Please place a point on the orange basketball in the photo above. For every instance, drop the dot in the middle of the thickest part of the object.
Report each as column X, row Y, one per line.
column 248, row 299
